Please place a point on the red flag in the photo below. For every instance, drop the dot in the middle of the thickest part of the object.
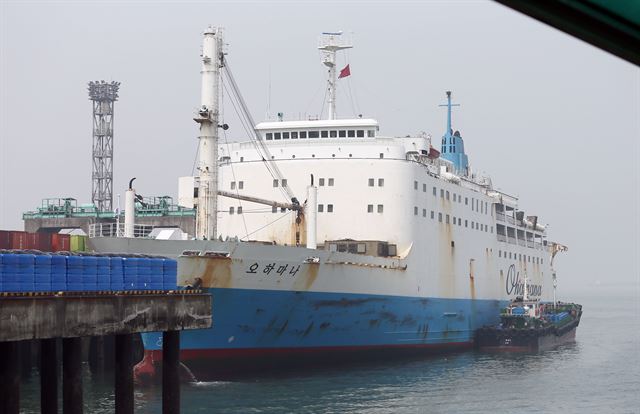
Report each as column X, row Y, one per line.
column 345, row 72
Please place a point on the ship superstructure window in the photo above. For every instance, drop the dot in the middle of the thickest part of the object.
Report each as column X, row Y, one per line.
column 329, row 208
column 277, row 135
column 380, row 182
column 321, row 182
column 424, row 188
column 269, row 136
column 371, row 133
column 233, row 185
column 351, row 133
column 274, row 209
column 360, row 133
column 239, row 209
column 303, row 134
column 231, row 210
column 324, row 134
column 330, row 183
column 466, row 201
column 440, row 217
column 284, row 182
column 275, row 183
column 333, row 134
column 314, row 134
column 415, row 211
column 435, row 191
column 424, row 212
column 380, row 208
column 447, row 195
column 433, row 214
column 415, row 185
column 240, row 185
column 285, row 135
column 447, row 219
column 342, row 133
column 369, row 208
column 320, row 208
column 294, row 135
column 441, row 193
column 372, row 182
column 381, row 155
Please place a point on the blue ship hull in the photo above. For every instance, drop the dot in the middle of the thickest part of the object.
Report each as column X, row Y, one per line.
column 269, row 329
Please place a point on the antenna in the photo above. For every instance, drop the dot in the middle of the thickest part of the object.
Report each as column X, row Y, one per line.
column 449, row 105
column 329, row 44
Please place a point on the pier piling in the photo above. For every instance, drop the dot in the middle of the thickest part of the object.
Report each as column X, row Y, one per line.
column 48, row 376
column 71, row 376
column 124, row 374
column 170, row 372
column 10, row 377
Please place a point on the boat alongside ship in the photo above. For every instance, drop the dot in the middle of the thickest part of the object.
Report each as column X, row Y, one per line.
column 324, row 240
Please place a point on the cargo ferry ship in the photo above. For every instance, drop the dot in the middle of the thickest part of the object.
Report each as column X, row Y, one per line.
column 324, row 239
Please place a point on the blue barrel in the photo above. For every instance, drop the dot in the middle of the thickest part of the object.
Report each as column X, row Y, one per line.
column 144, row 273
column 170, row 274
column 42, row 273
column 26, row 272
column 58, row 273
column 117, row 274
column 104, row 273
column 130, row 273
column 11, row 277
column 157, row 273
column 90, row 273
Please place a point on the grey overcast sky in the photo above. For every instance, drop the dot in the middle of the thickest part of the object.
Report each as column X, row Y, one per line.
column 549, row 117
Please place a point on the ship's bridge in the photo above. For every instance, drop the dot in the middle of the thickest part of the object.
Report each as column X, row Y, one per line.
column 325, row 128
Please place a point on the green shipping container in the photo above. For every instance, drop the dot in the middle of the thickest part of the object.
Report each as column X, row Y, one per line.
column 78, row 243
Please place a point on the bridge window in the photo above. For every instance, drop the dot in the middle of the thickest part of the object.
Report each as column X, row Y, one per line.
column 351, row 133
column 285, row 135
column 314, row 134
column 342, row 133
column 303, row 134
column 371, row 133
column 269, row 136
column 333, row 134
column 360, row 133
column 277, row 135
column 440, row 217
column 294, row 135
column 324, row 134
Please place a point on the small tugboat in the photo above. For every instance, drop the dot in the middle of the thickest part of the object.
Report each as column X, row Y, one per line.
column 531, row 325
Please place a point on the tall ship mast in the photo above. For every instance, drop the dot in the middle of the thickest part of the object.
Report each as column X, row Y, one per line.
column 324, row 239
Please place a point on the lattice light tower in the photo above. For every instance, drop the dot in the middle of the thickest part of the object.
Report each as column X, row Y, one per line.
column 103, row 95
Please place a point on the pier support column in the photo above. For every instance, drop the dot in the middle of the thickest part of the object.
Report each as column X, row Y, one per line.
column 170, row 373
column 9, row 377
column 124, row 374
column 48, row 376
column 71, row 376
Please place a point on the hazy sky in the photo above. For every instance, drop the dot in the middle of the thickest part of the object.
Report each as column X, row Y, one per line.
column 549, row 117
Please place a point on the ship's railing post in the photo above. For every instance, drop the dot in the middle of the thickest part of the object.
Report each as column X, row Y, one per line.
column 170, row 374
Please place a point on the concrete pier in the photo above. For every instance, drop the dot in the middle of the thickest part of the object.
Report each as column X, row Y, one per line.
column 74, row 315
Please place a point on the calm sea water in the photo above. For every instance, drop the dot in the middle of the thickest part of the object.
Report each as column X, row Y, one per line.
column 599, row 373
